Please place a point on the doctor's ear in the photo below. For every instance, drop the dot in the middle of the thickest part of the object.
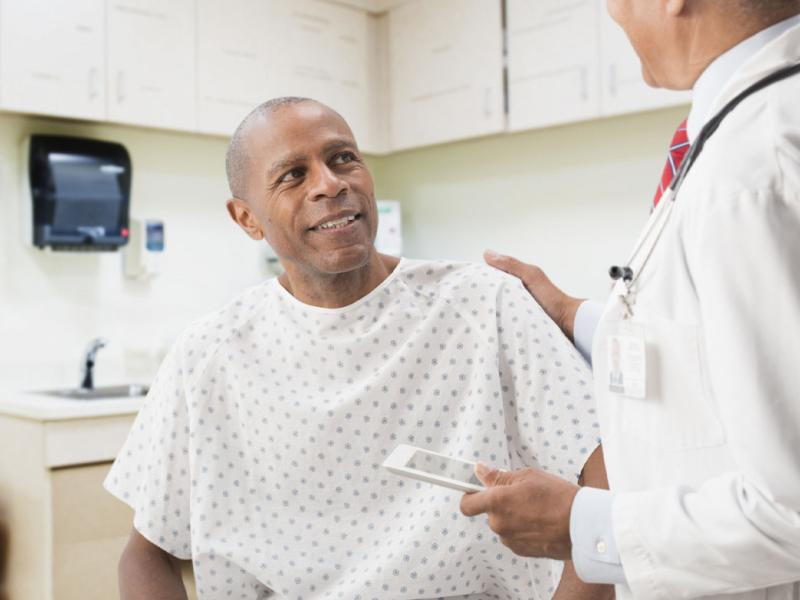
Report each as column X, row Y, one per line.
column 240, row 212
column 675, row 7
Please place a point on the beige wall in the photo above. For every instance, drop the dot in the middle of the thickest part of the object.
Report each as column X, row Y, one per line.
column 571, row 198
column 51, row 304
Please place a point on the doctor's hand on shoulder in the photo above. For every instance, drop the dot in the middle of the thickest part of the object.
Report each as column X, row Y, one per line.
column 529, row 509
column 559, row 306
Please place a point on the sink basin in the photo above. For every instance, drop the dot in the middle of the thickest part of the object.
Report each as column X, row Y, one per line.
column 131, row 390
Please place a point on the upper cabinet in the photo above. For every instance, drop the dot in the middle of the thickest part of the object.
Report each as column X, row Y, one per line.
column 249, row 51
column 622, row 88
column 445, row 71
column 329, row 60
column 52, row 57
column 403, row 73
column 151, row 63
column 233, row 73
column 553, row 64
column 569, row 61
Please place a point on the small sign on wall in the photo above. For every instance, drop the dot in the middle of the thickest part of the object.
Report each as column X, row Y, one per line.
column 390, row 232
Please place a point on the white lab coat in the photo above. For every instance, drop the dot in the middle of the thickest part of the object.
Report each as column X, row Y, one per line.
column 706, row 468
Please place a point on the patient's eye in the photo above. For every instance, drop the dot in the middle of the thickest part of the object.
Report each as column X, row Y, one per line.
column 343, row 158
column 293, row 174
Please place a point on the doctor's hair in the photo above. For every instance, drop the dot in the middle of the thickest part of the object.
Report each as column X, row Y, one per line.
column 767, row 10
column 236, row 157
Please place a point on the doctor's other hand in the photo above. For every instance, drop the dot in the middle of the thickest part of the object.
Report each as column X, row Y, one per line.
column 559, row 306
column 528, row 509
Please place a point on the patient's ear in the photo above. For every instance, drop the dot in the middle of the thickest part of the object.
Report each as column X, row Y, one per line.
column 240, row 212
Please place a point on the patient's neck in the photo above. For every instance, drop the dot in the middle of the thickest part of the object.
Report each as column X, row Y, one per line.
column 340, row 289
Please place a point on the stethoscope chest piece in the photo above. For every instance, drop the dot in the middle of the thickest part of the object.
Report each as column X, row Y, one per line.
column 625, row 273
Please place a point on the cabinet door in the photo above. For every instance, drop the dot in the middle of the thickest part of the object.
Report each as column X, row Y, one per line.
column 446, row 71
column 90, row 529
column 231, row 62
column 553, row 67
column 151, row 63
column 622, row 88
column 51, row 57
column 328, row 60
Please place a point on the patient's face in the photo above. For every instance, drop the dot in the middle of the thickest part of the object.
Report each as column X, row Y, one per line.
column 311, row 191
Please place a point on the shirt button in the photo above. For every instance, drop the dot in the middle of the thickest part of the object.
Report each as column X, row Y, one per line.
column 601, row 547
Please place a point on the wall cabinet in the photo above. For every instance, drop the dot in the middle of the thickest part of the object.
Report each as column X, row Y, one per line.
column 569, row 62
column 233, row 72
column 553, row 63
column 249, row 51
column 622, row 88
column 445, row 71
column 52, row 57
column 329, row 60
column 419, row 73
column 64, row 532
column 151, row 63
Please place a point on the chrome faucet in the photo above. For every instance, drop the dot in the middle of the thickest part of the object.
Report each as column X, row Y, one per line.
column 87, row 379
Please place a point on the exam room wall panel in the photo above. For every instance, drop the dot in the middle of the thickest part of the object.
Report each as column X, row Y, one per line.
column 570, row 198
column 51, row 304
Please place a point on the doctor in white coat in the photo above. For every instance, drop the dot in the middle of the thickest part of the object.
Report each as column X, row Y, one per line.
column 702, row 433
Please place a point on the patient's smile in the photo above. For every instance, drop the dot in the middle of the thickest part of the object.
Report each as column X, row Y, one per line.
column 337, row 224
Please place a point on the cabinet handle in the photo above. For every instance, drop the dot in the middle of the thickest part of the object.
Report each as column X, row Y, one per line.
column 487, row 102
column 93, row 83
column 584, row 84
column 612, row 80
column 120, row 86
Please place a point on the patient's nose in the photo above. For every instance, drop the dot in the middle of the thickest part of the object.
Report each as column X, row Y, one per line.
column 325, row 183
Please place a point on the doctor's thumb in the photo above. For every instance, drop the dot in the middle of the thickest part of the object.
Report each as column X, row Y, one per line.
column 504, row 263
column 491, row 477
column 530, row 275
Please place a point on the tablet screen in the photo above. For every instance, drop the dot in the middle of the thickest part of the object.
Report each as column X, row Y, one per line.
column 450, row 468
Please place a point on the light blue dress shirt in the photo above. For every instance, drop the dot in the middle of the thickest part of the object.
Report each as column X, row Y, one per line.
column 594, row 548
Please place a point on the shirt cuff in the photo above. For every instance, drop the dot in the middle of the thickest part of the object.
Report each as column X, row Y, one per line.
column 594, row 547
column 586, row 319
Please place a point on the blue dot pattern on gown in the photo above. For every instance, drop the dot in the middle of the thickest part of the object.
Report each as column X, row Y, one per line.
column 258, row 451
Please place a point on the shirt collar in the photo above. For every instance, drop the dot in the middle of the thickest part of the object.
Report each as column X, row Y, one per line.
column 722, row 69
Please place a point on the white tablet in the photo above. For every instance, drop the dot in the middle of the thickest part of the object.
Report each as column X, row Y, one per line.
column 434, row 468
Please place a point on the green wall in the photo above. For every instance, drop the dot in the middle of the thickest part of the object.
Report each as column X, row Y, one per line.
column 571, row 198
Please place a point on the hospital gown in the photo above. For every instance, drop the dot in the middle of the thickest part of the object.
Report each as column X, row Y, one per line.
column 258, row 450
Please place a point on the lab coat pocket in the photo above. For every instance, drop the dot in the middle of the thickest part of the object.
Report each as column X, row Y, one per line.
column 678, row 411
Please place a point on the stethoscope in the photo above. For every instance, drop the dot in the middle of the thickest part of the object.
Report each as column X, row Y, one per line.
column 660, row 216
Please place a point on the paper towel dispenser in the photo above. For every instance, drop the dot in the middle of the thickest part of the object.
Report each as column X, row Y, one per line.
column 80, row 189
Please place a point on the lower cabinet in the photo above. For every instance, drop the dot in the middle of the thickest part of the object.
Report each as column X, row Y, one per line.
column 61, row 533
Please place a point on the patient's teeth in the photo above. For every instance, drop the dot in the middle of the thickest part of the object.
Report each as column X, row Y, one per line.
column 337, row 224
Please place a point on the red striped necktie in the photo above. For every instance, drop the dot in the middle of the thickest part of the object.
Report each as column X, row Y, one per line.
column 677, row 150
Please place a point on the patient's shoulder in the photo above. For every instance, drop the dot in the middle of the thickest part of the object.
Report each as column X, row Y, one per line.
column 435, row 278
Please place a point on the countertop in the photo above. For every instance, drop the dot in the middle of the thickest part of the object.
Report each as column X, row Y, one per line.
column 30, row 405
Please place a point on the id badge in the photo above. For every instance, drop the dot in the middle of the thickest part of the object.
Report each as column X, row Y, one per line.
column 626, row 357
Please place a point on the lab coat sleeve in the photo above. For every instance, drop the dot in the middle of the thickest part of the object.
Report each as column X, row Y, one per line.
column 741, row 530
column 586, row 320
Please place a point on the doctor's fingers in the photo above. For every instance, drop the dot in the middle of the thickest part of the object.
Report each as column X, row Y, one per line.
column 493, row 477
column 530, row 275
column 550, row 298
column 494, row 501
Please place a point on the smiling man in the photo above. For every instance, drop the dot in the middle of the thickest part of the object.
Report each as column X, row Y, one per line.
column 257, row 453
